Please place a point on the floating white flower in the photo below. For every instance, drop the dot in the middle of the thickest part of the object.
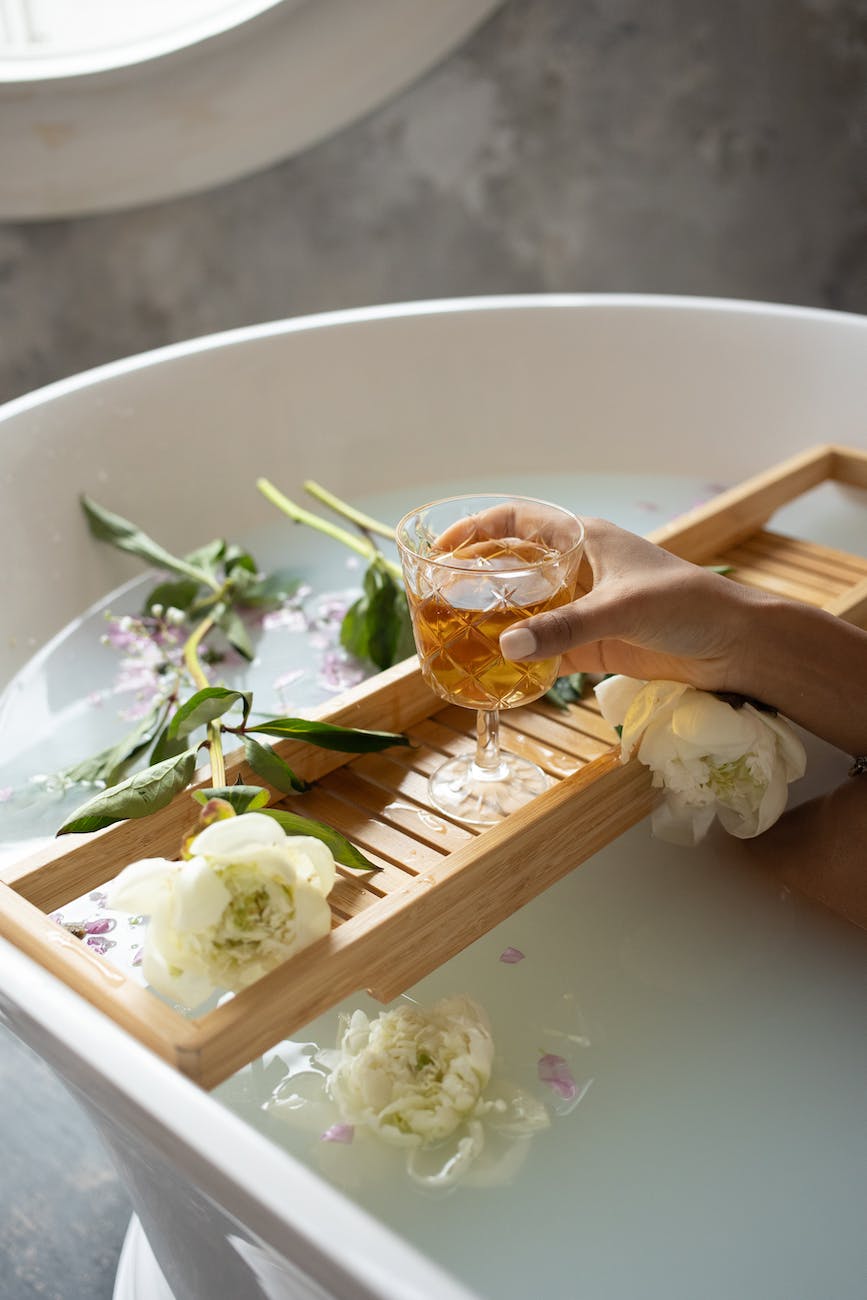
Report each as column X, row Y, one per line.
column 713, row 760
column 248, row 897
column 417, row 1079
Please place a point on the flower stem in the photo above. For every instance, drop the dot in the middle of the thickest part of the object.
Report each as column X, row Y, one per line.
column 357, row 517
column 301, row 516
column 194, row 667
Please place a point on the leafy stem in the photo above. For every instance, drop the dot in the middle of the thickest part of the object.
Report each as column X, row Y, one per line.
column 366, row 523
column 299, row 515
column 214, row 729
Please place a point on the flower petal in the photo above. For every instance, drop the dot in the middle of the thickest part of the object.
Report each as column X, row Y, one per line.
column 511, row 955
column 199, row 896
column 339, row 1133
column 655, row 699
column 788, row 743
column 679, row 823
column 140, row 885
column 615, row 695
column 237, row 835
column 556, row 1072
column 306, row 852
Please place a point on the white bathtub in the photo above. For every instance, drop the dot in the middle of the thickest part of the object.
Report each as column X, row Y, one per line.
column 373, row 400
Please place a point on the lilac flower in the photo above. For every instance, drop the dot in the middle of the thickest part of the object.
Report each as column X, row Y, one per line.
column 289, row 617
column 332, row 609
column 337, row 671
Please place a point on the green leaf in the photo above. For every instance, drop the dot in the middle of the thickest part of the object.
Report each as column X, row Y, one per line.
column 232, row 627
column 377, row 626
column 113, row 763
column 237, row 558
column 268, row 764
column 404, row 643
column 344, row 852
column 126, row 536
column 138, row 796
column 272, row 591
column 167, row 746
column 566, row 690
column 207, row 557
column 347, row 740
column 243, row 798
column 204, row 707
column 177, row 595
column 720, row 568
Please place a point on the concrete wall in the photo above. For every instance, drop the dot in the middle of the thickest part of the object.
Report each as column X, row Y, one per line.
column 685, row 146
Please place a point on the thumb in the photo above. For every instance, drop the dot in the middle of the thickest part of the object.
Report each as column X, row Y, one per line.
column 594, row 617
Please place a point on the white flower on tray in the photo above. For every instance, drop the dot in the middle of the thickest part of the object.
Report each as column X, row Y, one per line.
column 246, row 898
column 712, row 759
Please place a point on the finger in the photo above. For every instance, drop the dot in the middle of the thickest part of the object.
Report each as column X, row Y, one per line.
column 597, row 616
column 497, row 521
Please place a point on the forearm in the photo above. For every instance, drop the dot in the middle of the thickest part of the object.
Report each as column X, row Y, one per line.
column 809, row 665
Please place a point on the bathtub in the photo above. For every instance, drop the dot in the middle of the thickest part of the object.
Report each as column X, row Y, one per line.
column 676, row 955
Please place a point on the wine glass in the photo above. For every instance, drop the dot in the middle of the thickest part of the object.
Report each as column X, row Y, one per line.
column 473, row 566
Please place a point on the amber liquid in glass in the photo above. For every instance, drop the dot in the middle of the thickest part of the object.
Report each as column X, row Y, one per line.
column 458, row 624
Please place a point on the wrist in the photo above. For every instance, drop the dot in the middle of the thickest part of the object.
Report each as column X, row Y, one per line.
column 804, row 662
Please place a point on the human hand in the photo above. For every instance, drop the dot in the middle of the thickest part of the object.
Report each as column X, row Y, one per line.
column 645, row 614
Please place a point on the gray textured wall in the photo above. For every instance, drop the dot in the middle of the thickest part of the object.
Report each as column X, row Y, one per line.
column 685, row 146
column 700, row 146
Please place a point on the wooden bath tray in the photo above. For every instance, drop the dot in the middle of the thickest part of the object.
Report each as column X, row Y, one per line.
column 442, row 885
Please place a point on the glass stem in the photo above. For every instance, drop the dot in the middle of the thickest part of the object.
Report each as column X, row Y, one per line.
column 488, row 739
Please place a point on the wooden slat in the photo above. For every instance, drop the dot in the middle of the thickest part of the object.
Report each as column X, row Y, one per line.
column 703, row 533
column 791, row 587
column 849, row 466
column 349, row 897
column 398, row 781
column 584, row 717
column 545, row 728
column 378, row 840
column 822, row 561
column 422, row 824
column 553, row 761
column 758, row 566
column 851, row 605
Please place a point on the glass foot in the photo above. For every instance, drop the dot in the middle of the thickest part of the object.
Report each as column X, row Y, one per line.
column 480, row 796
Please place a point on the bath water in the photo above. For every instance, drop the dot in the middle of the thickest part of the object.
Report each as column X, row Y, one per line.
column 714, row 1025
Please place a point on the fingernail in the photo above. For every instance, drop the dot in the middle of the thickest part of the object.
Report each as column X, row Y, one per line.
column 517, row 643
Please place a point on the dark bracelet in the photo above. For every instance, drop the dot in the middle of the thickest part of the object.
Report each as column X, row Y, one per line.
column 738, row 701
column 859, row 767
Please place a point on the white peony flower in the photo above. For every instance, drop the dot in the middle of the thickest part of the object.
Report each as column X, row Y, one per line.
column 712, row 760
column 248, row 897
column 414, row 1076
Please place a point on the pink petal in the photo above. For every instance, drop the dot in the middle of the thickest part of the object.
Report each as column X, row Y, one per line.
column 511, row 955
column 5, row 793
column 339, row 1133
column 555, row 1071
column 99, row 925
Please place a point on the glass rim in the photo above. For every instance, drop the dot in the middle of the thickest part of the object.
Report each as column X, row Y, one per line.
column 492, row 497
